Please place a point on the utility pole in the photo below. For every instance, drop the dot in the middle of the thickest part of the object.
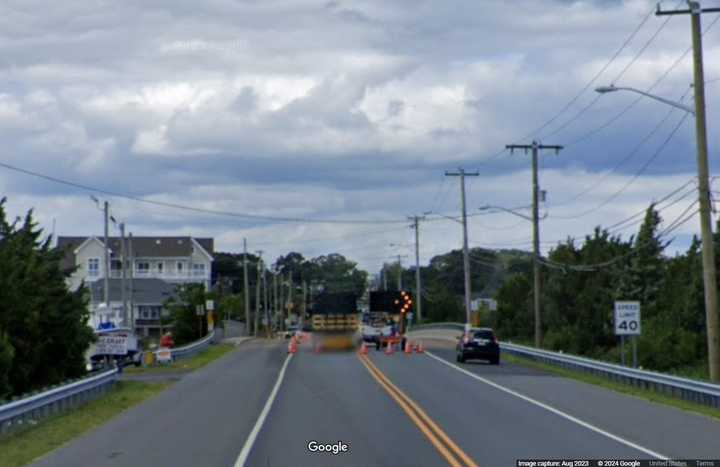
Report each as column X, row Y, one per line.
column 123, row 283
column 535, row 147
column 384, row 275
column 290, row 298
column 466, row 254
column 418, row 284
column 246, row 289
column 276, row 295
column 266, row 303
column 131, row 264
column 708, row 251
column 106, row 211
column 260, row 267
column 399, row 272
column 303, row 308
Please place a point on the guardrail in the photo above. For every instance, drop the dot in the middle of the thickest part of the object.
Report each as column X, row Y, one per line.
column 191, row 349
column 29, row 410
column 688, row 389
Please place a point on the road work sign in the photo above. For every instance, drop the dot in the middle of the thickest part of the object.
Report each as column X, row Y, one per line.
column 627, row 318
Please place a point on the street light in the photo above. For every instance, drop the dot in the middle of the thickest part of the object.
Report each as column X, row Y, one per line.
column 613, row 88
column 708, row 250
column 509, row 211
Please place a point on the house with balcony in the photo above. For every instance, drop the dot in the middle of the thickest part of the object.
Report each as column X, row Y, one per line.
column 157, row 266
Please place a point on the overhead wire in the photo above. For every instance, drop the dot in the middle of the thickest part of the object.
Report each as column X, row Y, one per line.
column 632, row 180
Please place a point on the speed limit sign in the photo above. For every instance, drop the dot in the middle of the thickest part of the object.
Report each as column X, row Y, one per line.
column 627, row 318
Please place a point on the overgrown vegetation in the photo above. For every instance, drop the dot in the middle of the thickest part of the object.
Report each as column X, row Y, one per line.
column 578, row 300
column 43, row 330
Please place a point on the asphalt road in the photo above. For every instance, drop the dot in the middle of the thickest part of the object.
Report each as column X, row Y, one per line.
column 504, row 413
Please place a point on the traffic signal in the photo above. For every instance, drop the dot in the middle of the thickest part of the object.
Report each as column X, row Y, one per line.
column 390, row 301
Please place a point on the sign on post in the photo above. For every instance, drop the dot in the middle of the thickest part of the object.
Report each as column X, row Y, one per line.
column 111, row 345
column 627, row 318
column 209, row 305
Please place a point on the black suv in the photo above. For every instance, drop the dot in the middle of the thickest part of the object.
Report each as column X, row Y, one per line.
column 481, row 343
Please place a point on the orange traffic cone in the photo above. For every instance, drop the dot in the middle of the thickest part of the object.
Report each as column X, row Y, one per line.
column 419, row 348
column 363, row 348
column 316, row 348
column 292, row 348
column 390, row 349
column 408, row 347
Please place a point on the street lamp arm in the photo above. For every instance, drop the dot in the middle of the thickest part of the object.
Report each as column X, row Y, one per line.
column 509, row 211
column 678, row 105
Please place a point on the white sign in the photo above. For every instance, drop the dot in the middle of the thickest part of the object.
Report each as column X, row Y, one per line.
column 199, row 310
column 627, row 318
column 111, row 345
column 163, row 354
column 209, row 305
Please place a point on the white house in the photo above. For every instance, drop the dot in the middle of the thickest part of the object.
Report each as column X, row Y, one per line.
column 158, row 265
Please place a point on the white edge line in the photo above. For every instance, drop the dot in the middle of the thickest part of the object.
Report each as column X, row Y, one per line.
column 250, row 441
column 551, row 409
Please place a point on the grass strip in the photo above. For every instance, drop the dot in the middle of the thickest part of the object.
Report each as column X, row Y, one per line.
column 208, row 355
column 24, row 446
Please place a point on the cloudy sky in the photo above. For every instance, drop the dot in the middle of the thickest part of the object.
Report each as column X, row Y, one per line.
column 329, row 111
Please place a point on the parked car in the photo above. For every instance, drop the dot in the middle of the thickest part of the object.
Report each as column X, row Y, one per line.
column 481, row 344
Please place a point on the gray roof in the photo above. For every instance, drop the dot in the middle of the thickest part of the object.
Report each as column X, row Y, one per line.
column 145, row 291
column 159, row 247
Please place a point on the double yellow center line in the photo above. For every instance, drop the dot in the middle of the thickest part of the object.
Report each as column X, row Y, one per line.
column 441, row 441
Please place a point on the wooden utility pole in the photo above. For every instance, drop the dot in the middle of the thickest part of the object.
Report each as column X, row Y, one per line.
column 466, row 254
column 708, row 250
column 418, row 283
column 535, row 147
column 258, row 298
column 246, row 289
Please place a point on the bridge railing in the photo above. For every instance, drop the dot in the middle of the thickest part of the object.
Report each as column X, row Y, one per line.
column 693, row 390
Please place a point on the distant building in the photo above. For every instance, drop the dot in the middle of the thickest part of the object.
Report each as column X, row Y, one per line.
column 159, row 264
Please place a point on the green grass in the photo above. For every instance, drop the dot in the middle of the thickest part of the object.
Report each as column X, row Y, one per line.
column 22, row 447
column 187, row 364
column 615, row 386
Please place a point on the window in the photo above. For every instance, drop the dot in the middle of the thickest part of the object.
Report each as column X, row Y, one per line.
column 198, row 269
column 93, row 267
column 143, row 267
column 180, row 266
column 160, row 267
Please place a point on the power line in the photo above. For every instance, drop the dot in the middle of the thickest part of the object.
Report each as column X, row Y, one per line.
column 633, row 178
column 632, row 104
column 592, row 80
column 674, row 225
column 624, row 160
column 245, row 216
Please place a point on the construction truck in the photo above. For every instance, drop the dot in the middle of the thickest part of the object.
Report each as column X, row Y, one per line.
column 334, row 320
column 385, row 322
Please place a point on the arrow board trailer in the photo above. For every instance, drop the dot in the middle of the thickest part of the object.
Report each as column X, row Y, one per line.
column 334, row 320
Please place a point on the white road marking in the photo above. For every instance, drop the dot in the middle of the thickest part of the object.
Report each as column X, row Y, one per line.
column 247, row 447
column 550, row 409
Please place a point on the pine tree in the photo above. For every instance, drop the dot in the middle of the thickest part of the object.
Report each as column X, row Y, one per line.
column 43, row 326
